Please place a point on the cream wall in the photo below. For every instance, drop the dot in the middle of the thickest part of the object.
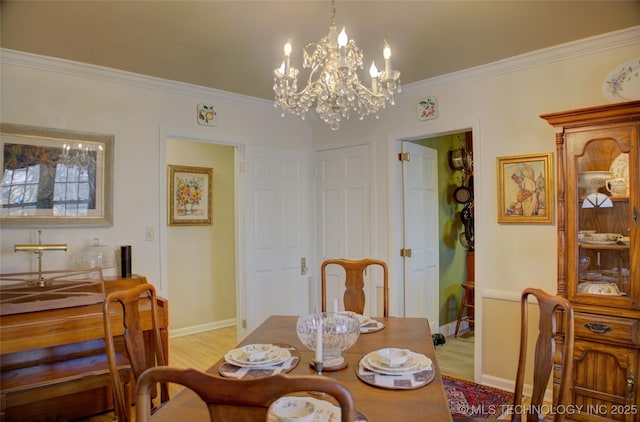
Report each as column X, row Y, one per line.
column 201, row 259
column 140, row 112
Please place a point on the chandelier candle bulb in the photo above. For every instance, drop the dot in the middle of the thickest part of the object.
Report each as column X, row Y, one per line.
column 287, row 58
column 386, row 52
column 373, row 72
column 343, row 40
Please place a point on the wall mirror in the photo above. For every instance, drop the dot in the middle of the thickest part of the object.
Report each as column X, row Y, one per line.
column 55, row 177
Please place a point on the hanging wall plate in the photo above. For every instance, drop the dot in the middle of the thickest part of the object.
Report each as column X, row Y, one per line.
column 462, row 194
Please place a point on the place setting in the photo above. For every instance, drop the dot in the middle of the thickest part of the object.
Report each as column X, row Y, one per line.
column 367, row 324
column 395, row 368
column 259, row 360
column 306, row 409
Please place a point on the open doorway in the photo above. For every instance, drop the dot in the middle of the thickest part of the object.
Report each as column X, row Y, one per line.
column 199, row 270
column 456, row 245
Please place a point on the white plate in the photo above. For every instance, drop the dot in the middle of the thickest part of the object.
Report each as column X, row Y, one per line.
column 371, row 327
column 620, row 167
column 602, row 242
column 275, row 356
column 623, row 82
column 362, row 319
column 325, row 411
column 595, row 288
column 415, row 363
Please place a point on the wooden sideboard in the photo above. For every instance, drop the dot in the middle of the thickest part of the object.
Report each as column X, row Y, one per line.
column 29, row 339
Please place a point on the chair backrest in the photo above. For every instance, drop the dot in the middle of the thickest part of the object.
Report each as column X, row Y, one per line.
column 143, row 351
column 236, row 400
column 553, row 347
column 354, row 297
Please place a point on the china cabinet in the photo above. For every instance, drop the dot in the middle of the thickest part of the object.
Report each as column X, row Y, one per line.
column 598, row 195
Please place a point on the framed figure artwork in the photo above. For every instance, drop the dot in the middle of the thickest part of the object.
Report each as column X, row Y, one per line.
column 55, row 177
column 190, row 196
column 525, row 189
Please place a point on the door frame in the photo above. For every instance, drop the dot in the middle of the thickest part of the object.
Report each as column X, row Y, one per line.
column 396, row 235
column 166, row 134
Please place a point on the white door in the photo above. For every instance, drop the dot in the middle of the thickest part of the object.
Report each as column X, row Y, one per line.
column 420, row 197
column 277, row 233
column 344, row 217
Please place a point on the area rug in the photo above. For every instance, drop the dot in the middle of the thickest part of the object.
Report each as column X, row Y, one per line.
column 468, row 399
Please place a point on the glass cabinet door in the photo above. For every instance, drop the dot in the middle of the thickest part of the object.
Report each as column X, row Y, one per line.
column 598, row 162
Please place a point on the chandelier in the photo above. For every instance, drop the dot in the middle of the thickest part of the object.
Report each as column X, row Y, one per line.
column 333, row 87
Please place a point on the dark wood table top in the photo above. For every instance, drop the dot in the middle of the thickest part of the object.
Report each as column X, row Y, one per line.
column 378, row 404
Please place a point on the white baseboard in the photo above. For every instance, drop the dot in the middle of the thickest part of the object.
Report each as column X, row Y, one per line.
column 203, row 327
column 450, row 328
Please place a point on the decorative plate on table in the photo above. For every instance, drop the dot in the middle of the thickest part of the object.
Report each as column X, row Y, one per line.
column 371, row 326
column 362, row 319
column 274, row 356
column 367, row 325
column 395, row 382
column 415, row 363
column 325, row 411
column 234, row 370
column 623, row 82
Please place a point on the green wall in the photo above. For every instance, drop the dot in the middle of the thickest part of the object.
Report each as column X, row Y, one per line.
column 452, row 253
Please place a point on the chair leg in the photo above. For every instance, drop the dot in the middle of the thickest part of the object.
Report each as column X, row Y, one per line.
column 465, row 303
column 460, row 311
column 127, row 397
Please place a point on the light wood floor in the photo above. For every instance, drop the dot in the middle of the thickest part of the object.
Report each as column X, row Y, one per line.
column 200, row 350
column 455, row 357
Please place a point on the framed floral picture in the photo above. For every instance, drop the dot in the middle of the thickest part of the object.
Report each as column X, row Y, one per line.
column 190, row 196
column 525, row 189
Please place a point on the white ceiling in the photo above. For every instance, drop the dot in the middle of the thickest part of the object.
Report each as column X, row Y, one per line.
column 235, row 45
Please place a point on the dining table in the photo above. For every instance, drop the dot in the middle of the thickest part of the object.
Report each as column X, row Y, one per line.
column 426, row 402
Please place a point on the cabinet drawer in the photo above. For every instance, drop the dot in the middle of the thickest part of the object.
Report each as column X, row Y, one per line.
column 604, row 328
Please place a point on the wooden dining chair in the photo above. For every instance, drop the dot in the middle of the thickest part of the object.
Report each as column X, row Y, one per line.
column 229, row 399
column 143, row 349
column 354, row 297
column 553, row 346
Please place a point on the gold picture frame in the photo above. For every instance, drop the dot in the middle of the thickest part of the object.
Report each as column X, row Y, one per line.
column 525, row 189
column 55, row 177
column 190, row 195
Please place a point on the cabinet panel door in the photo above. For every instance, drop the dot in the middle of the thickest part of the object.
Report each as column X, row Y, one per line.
column 604, row 381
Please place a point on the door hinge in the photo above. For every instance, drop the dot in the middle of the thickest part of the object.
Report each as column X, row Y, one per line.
column 405, row 252
column 244, row 323
column 403, row 156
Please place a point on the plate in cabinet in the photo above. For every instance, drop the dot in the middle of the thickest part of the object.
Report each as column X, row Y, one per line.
column 620, row 166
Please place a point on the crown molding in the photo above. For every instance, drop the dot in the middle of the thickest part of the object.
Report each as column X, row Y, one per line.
column 527, row 60
column 84, row 70
column 530, row 59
